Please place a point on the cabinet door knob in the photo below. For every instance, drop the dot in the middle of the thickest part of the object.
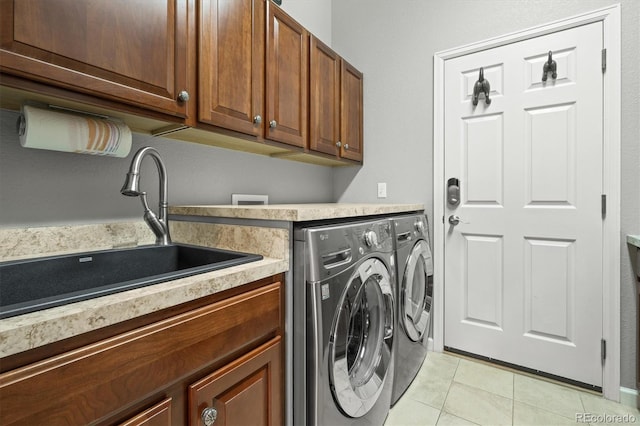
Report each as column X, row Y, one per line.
column 346, row 146
column 257, row 119
column 183, row 96
column 209, row 416
column 338, row 144
column 273, row 124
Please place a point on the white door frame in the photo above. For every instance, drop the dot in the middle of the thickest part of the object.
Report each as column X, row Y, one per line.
column 610, row 17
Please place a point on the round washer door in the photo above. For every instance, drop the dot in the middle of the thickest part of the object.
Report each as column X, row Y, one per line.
column 417, row 291
column 362, row 339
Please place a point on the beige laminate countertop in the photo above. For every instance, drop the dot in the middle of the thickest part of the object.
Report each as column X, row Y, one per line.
column 28, row 331
column 293, row 212
column 31, row 330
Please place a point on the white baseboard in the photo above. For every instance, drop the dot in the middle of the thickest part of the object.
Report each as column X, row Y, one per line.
column 629, row 397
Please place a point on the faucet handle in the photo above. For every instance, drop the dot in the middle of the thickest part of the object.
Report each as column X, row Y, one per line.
column 143, row 199
column 157, row 226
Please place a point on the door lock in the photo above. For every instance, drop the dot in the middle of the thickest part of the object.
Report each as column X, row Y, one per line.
column 453, row 191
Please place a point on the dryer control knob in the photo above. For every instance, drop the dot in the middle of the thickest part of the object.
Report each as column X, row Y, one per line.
column 419, row 226
column 371, row 238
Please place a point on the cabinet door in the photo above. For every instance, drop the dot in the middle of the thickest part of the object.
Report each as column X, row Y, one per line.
column 133, row 51
column 324, row 105
column 245, row 392
column 351, row 113
column 287, row 78
column 158, row 415
column 231, row 64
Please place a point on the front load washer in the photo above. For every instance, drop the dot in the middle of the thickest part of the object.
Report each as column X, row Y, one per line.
column 348, row 282
column 413, row 299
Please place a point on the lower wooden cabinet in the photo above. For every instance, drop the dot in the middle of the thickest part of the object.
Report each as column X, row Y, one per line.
column 241, row 393
column 158, row 415
column 226, row 355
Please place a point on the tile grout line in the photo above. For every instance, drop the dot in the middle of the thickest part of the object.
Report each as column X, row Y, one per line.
column 448, row 390
column 513, row 399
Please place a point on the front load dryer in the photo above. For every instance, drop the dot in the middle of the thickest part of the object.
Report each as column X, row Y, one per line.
column 414, row 293
column 349, row 284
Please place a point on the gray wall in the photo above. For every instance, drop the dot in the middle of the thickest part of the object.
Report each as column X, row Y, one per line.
column 393, row 43
column 40, row 187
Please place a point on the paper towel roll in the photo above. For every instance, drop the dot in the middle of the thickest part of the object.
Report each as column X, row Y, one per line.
column 45, row 129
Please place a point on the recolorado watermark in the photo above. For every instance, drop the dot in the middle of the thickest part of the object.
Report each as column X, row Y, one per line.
column 605, row 418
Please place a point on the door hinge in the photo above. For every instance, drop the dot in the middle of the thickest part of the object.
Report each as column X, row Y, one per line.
column 604, row 60
column 603, row 349
column 603, row 202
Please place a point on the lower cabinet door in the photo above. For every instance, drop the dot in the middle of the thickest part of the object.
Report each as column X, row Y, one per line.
column 247, row 391
column 158, row 415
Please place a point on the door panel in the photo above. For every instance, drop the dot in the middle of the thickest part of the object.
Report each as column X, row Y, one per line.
column 523, row 268
column 484, row 283
column 231, row 55
column 549, row 277
column 483, row 144
column 287, row 78
column 132, row 51
column 324, row 108
column 566, row 69
column 351, row 105
column 246, row 391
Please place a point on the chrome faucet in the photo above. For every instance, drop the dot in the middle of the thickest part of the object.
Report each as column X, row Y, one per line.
column 131, row 188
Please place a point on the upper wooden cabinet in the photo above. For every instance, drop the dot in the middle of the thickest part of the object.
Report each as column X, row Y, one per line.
column 324, row 109
column 241, row 74
column 287, row 78
column 351, row 112
column 132, row 51
column 231, row 64
column 335, row 107
column 242, row 86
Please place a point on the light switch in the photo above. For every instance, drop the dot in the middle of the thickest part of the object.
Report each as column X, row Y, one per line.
column 382, row 190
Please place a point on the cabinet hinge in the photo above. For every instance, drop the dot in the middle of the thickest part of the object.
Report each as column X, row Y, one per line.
column 442, row 219
column 604, row 60
column 603, row 202
column 603, row 349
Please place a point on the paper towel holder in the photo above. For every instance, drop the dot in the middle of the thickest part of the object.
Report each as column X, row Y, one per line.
column 21, row 124
column 56, row 128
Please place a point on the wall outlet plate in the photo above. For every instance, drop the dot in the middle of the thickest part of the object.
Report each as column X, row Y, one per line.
column 249, row 199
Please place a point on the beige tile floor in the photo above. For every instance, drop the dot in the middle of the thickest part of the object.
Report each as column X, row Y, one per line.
column 451, row 390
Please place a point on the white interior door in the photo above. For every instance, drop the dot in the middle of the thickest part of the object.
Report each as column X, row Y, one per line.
column 523, row 270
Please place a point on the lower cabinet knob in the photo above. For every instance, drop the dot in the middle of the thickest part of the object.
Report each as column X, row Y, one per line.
column 346, row 146
column 209, row 416
column 338, row 144
column 183, row 96
column 273, row 124
column 257, row 119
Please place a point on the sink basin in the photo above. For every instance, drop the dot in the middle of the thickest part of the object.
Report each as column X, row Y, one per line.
column 35, row 284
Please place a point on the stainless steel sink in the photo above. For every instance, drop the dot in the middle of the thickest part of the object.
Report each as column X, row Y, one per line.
column 35, row 284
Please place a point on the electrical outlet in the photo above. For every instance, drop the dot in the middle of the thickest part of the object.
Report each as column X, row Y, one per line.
column 382, row 190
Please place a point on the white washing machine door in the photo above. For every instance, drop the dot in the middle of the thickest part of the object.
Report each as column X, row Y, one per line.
column 361, row 339
column 417, row 291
